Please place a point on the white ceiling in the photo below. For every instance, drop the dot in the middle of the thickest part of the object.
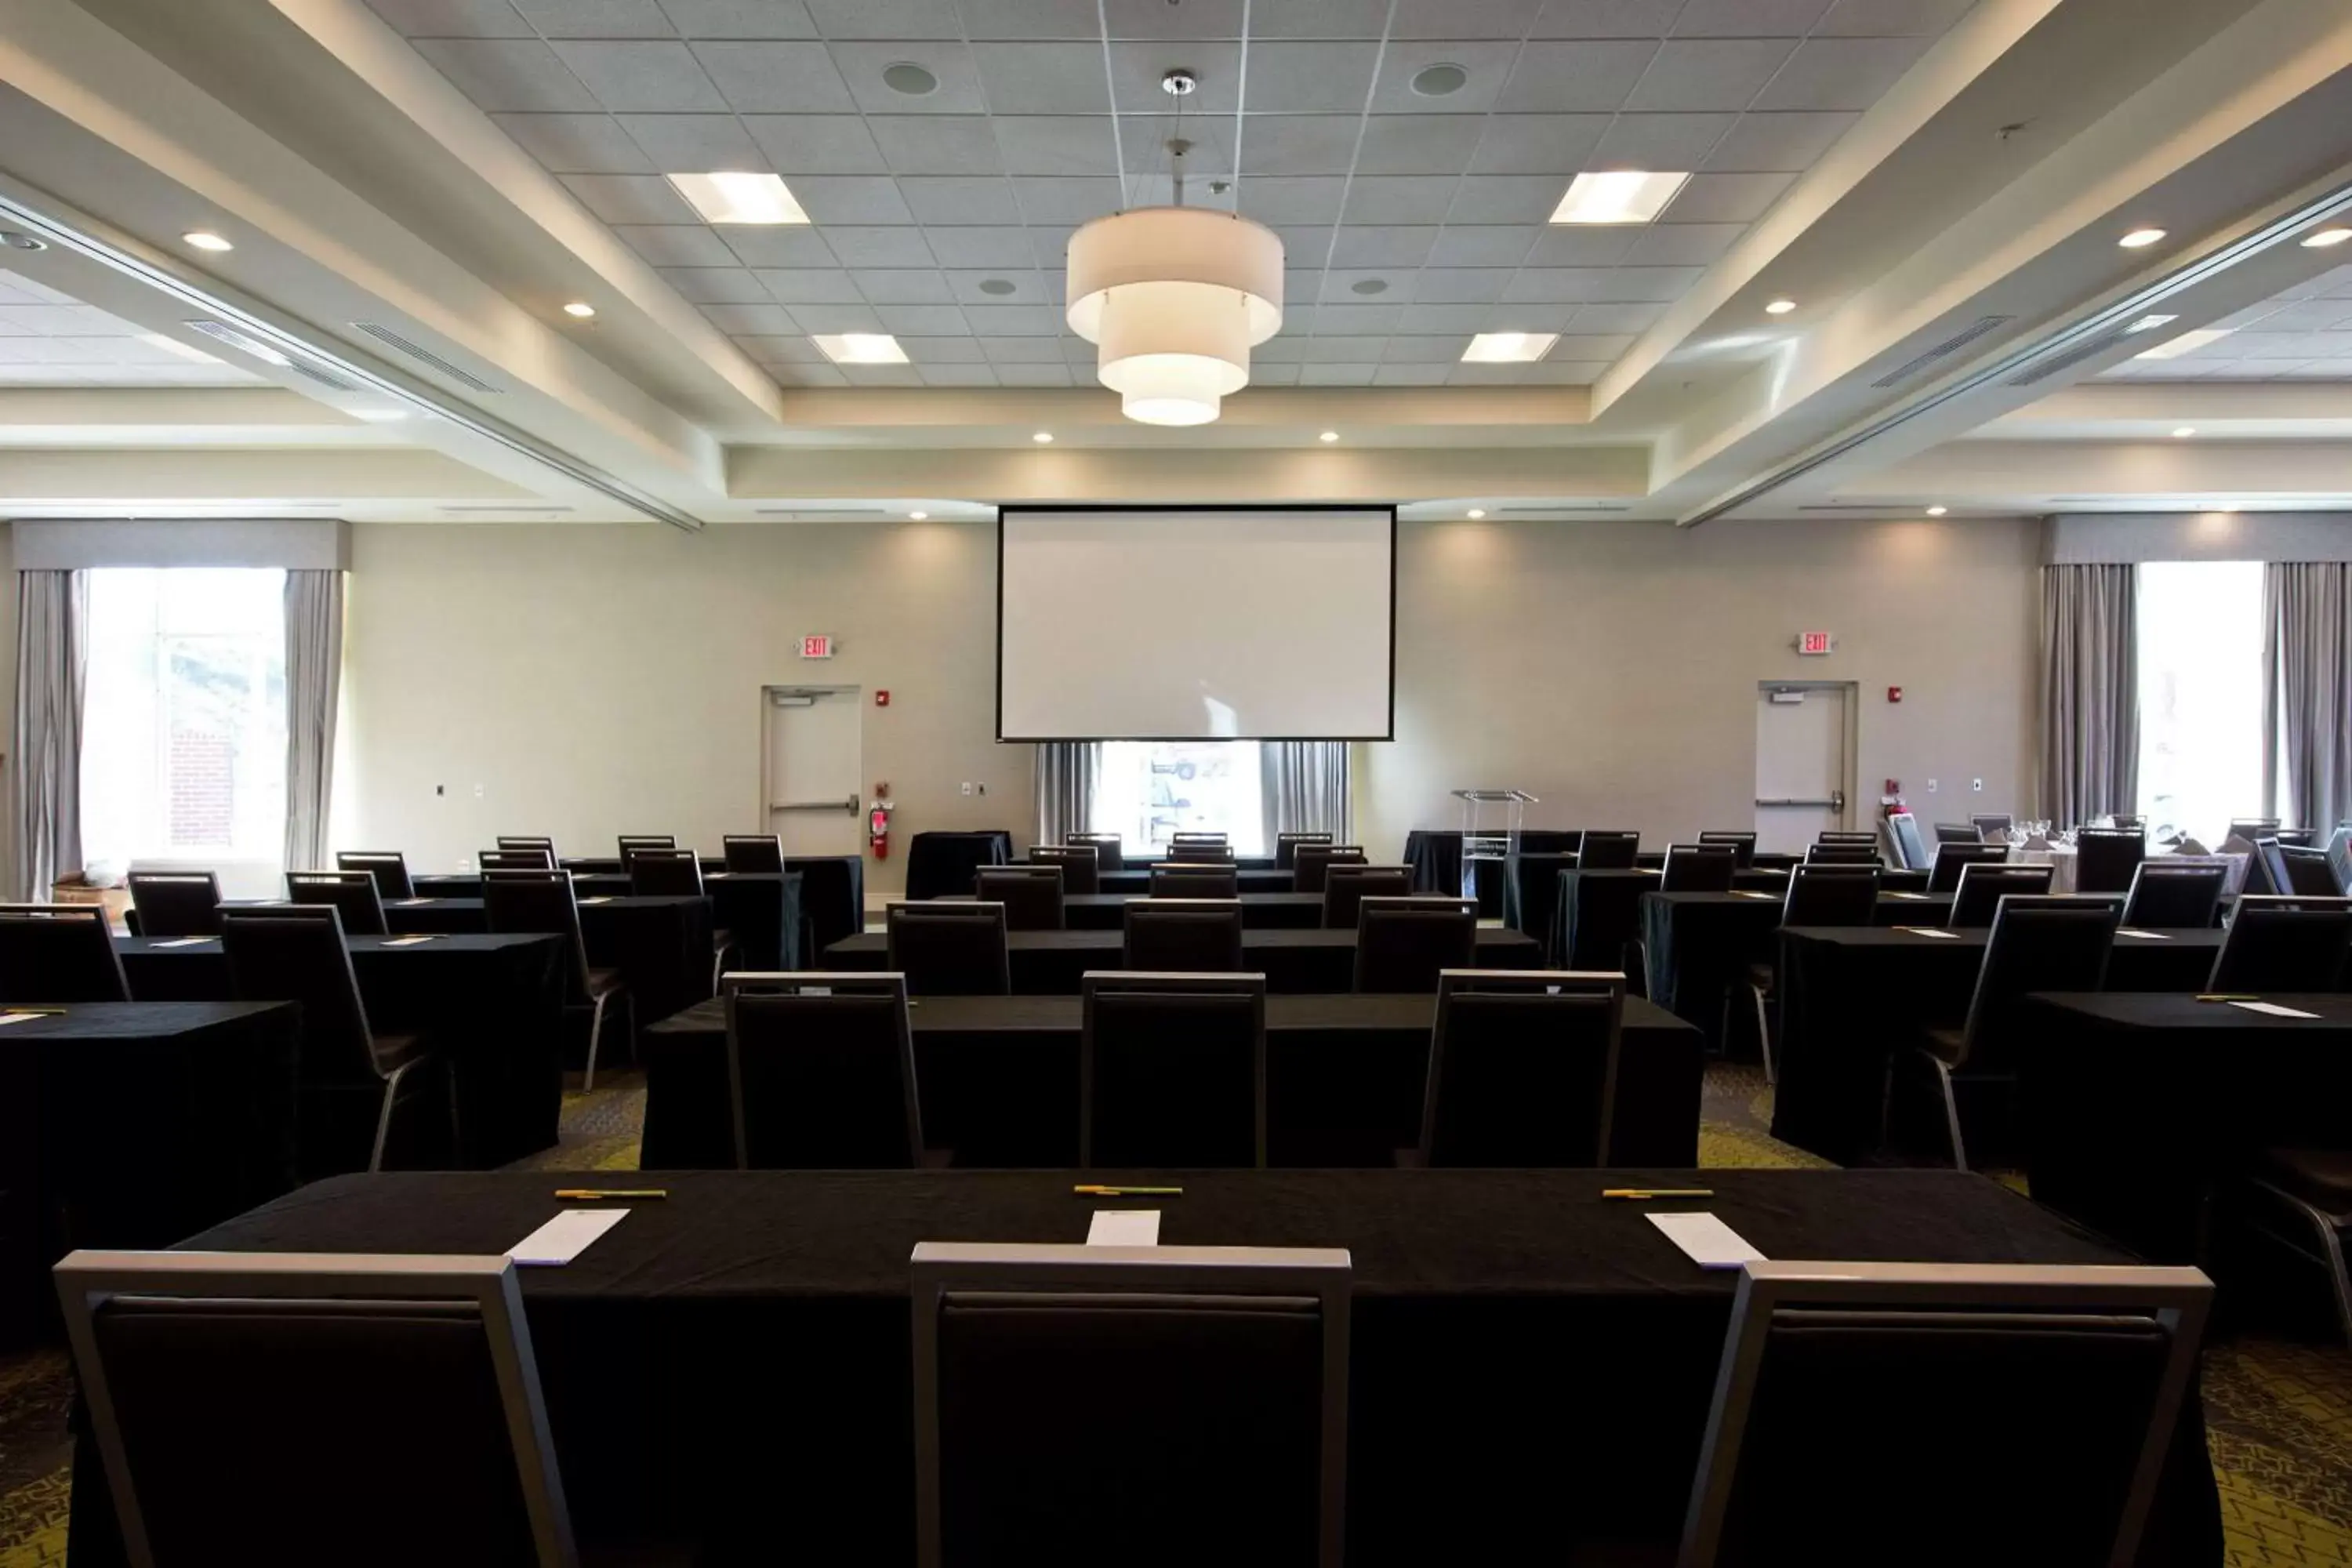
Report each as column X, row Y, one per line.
column 1411, row 222
column 51, row 339
column 2304, row 334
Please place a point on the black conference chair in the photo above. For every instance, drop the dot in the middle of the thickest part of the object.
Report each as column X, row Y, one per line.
column 656, row 872
column 1176, row 936
column 820, row 1072
column 295, row 953
column 949, row 949
column 1951, row 859
column 1310, row 864
column 1956, row 833
column 2107, row 858
column 388, row 867
column 1819, row 895
column 1080, row 864
column 525, row 859
column 2169, row 897
column 2036, row 945
column 373, row 1412
column 1992, row 824
column 1835, row 854
column 2296, row 837
column 1402, row 945
column 1346, row 886
column 1846, row 836
column 62, row 953
column 1171, row 1071
column 1699, row 868
column 1194, row 880
column 2302, row 1200
column 1285, row 847
column 2266, row 872
column 1218, row 854
column 2339, row 855
column 176, row 903
column 510, row 841
column 1107, row 849
column 2309, row 874
column 2135, row 821
column 1166, row 1404
column 1970, row 1407
column 537, row 900
column 1522, row 1069
column 1199, row 837
column 752, row 854
column 1910, row 850
column 632, row 842
column 352, row 893
column 1611, row 851
column 1032, row 895
column 1983, row 886
column 2253, row 829
column 2284, row 945
column 1743, row 846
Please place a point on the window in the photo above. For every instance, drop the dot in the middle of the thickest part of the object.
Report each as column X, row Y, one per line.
column 1150, row 790
column 2200, row 696
column 184, row 734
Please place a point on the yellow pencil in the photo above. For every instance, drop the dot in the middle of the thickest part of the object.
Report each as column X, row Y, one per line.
column 591, row 1195
column 1636, row 1195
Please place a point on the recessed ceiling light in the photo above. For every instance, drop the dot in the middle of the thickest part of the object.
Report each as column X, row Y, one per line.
column 1937, row 511
column 1476, row 513
column 859, row 348
column 2184, row 432
column 15, row 239
column 2187, row 342
column 2149, row 325
column 581, row 308
column 1508, row 348
column 1439, row 81
column 921, row 516
column 738, row 197
column 2326, row 238
column 1617, row 196
column 1779, row 307
column 1329, row 435
column 998, row 286
column 2140, row 239
column 1368, row 286
column 910, row 79
column 205, row 239
column 1043, row 437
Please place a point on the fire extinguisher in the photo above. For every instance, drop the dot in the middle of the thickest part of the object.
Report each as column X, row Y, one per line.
column 878, row 824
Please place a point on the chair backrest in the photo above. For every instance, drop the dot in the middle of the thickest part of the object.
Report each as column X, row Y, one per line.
column 2339, row 855
column 527, row 841
column 1846, row 836
column 1958, row 833
column 2165, row 895
column 2035, row 944
column 388, row 867
column 1829, row 894
column 1953, row 858
column 2107, row 857
column 2309, row 874
column 633, row 842
column 529, row 858
column 1228, row 1367
column 1405, row 944
column 1285, row 846
column 1032, row 895
column 295, row 953
column 821, row 1071
column 1080, row 865
column 176, row 903
column 2253, row 828
column 1199, row 936
column 1910, row 849
column 1107, row 849
column 1613, row 850
column 537, row 899
column 59, row 952
column 949, row 949
column 1345, row 886
column 1699, row 868
column 752, row 853
column 1171, row 879
column 1743, row 845
column 2005, row 1402
column 2266, row 872
column 306, row 1384
column 2133, row 820
column 352, row 893
column 1522, row 1068
column 1991, row 824
column 1983, row 886
column 1198, row 838
column 664, row 873
column 2296, row 837
column 2284, row 943
column 1833, row 853
column 1196, row 854
column 1171, row 1071
column 1310, row 864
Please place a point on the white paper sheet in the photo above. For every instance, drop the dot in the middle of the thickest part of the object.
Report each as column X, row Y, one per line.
column 6, row 1018
column 1751, row 893
column 2142, row 935
column 187, row 941
column 1124, row 1227
column 1914, row 896
column 564, row 1238
column 1930, row 930
column 2272, row 1009
column 1706, row 1240
column 412, row 903
column 406, row 940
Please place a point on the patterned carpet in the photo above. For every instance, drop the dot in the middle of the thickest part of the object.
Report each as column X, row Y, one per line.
column 2279, row 1411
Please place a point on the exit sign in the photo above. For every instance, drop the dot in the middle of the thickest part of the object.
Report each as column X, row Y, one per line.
column 816, row 648
column 1816, row 643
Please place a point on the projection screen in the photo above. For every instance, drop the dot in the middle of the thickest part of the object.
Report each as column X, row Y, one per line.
column 1162, row 624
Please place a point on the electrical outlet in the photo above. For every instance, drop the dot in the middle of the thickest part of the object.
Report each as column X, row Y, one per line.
column 980, row 789
column 967, row 786
column 1977, row 785
column 1931, row 786
column 477, row 792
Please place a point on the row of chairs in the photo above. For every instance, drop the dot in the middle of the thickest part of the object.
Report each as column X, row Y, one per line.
column 1034, row 893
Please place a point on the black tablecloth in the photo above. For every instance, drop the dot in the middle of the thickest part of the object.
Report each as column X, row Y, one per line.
column 757, row 907
column 942, row 863
column 1247, row 878
column 998, row 1079
column 1051, row 963
column 494, row 1004
column 1851, row 994
column 661, row 945
column 1529, row 1363
column 1260, row 911
column 131, row 1123
column 1531, row 895
column 2137, row 1108
column 832, row 901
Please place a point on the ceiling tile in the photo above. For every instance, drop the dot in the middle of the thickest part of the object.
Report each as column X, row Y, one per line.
column 1567, row 372
column 957, row 92
column 1585, row 346
column 1710, row 74
column 951, row 199
column 694, row 143
column 1507, row 198
column 596, row 18
column 1310, row 78
column 1399, row 198
column 996, row 246
column 642, row 77
column 1144, row 139
column 1049, row 244
column 1642, row 285
column 837, row 317
column 508, row 75
column 1340, row 287
column 1357, row 321
column 769, row 349
column 1022, row 350
column 882, row 374
column 936, row 145
column 905, row 286
column 1013, row 320
column 1052, row 199
column 733, row 19
column 1679, row 142
column 862, row 248
column 1298, row 143
column 1263, row 375
column 1456, row 320
column 1577, row 78
column 1891, row 18
column 1417, row 143
column 1748, row 18
column 1159, row 19
column 1052, row 144
column 1159, row 191
column 1034, row 375
column 886, row 18
column 1606, row 20
column 1842, row 73
column 576, row 144
column 1292, row 199
column 776, row 78
column 716, row 285
column 808, row 374
column 1571, row 245
column 677, row 245
column 1539, row 144
column 750, row 318
column 630, row 199
column 1028, row 286
column 451, row 18
column 1726, row 198
column 1453, row 19
column 1393, row 374
column 1442, row 349
column 800, row 144
column 1489, row 245
column 1136, row 71
column 1031, row 19
column 1045, row 78
column 1336, row 374
column 1683, row 243
column 1620, row 318
column 829, row 199
column 960, row 350
column 1460, row 285
column 1321, row 350
column 1554, row 285
column 781, row 245
column 810, row 285
column 1489, row 376
column 1287, row 349
column 1487, row 63
column 930, row 320
column 1318, row 19
column 958, row 376
column 1779, row 144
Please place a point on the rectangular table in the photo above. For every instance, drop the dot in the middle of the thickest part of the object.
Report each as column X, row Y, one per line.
column 2138, row 1109
column 1050, row 962
column 998, row 1080
column 1260, row 911
column 756, row 907
column 1599, row 913
column 1528, row 1363
column 1247, row 878
column 1851, row 995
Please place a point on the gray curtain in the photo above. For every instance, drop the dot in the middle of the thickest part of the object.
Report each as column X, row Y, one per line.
column 314, row 672
column 1306, row 787
column 1067, row 773
column 2090, row 691
column 45, row 769
column 2307, row 692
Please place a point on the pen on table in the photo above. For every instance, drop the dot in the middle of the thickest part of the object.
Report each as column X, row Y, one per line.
column 592, row 1194
column 1636, row 1194
column 1094, row 1190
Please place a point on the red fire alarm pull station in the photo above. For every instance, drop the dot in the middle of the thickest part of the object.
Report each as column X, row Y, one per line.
column 1895, row 694
column 881, row 699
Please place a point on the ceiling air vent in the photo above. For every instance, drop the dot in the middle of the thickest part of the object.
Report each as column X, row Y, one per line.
column 1949, row 346
column 2041, row 370
column 1583, row 506
column 424, row 356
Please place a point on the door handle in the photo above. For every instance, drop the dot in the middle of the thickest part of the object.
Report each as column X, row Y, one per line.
column 850, row 805
column 1836, row 802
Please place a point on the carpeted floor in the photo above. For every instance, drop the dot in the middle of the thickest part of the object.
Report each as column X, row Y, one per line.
column 2279, row 1411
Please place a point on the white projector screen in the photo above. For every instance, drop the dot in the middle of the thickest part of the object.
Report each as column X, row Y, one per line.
column 1196, row 623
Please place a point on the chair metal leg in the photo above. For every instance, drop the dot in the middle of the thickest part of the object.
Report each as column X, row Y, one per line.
column 595, row 1035
column 719, row 967
column 1951, row 1111
column 2331, row 1248
column 383, row 1115
column 1764, row 1034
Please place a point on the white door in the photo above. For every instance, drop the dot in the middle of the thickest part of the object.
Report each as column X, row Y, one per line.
column 815, row 771
column 1803, row 782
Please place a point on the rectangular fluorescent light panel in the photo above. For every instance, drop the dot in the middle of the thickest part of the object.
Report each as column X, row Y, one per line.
column 1508, row 348
column 2187, row 342
column 860, row 348
column 1617, row 196
column 739, row 197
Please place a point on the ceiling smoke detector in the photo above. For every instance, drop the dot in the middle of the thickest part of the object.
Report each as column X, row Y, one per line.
column 14, row 240
column 1180, row 84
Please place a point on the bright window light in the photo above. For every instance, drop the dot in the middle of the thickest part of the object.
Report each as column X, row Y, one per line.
column 2185, row 343
column 1617, row 196
column 2200, row 696
column 1508, row 348
column 1149, row 791
column 860, row 348
column 739, row 198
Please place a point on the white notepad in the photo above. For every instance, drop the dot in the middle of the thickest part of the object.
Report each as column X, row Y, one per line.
column 406, row 940
column 6, row 1018
column 413, row 903
column 1929, row 930
column 599, row 899
column 1706, row 1240
column 2142, row 935
column 187, row 941
column 1124, row 1227
column 1914, row 896
column 2272, row 1009
column 1747, row 894
column 564, row 1238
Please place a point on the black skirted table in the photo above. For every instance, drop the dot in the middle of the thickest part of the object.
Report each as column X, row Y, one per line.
column 1528, row 1363
column 1260, row 911
column 1051, row 963
column 998, row 1080
column 1598, row 912
column 757, row 907
column 939, row 863
column 1247, row 878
